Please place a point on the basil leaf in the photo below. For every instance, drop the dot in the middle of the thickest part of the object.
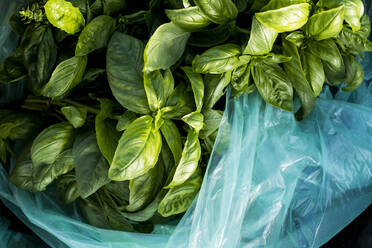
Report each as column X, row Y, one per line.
column 92, row 74
column 215, row 88
column 262, row 39
column 278, row 4
column 107, row 135
column 308, row 103
column 67, row 188
column 285, row 19
column 314, row 71
column 95, row 35
column 18, row 125
column 296, row 38
column 328, row 51
column 173, row 138
column 218, row 11
column 295, row 70
column 190, row 19
column 44, row 174
column 194, row 120
column 137, row 152
column 168, row 39
column 189, row 160
column 180, row 103
column 90, row 166
column 212, row 120
column 159, row 85
column 111, row 7
column 144, row 189
column 179, row 198
column 276, row 58
column 76, row 116
column 125, row 120
column 326, row 24
column 241, row 80
column 197, row 85
column 354, row 10
column 21, row 175
column 66, row 76
column 273, row 85
column 51, row 142
column 353, row 42
column 217, row 60
column 3, row 151
column 63, row 15
column 210, row 37
column 124, row 72
column 354, row 73
column 13, row 69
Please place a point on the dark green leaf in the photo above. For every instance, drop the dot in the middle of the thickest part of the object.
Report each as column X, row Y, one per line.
column 197, row 85
column 107, row 135
column 111, row 7
column 212, row 120
column 354, row 73
column 308, row 103
column 169, row 40
column 180, row 102
column 91, row 167
column 215, row 88
column 173, row 138
column 125, row 120
column 66, row 76
column 67, row 188
column 95, row 35
column 209, row 37
column 124, row 72
column 13, row 69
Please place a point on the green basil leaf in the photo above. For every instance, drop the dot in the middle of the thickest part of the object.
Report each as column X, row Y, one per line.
column 296, row 38
column 294, row 68
column 218, row 11
column 180, row 103
column 144, row 189
column 44, row 174
column 285, row 19
column 16, row 23
column 241, row 80
column 334, row 75
column 3, row 151
column 21, row 175
column 125, row 120
column 159, row 85
column 354, row 10
column 273, row 85
column 13, row 69
column 217, row 60
column 194, row 120
column 328, row 51
column 353, row 42
column 107, row 135
column 308, row 103
column 276, row 58
column 95, row 35
column 90, row 166
column 63, row 15
column 190, row 19
column 66, row 76
column 173, row 138
column 197, row 85
column 189, row 160
column 51, row 142
column 67, row 188
column 18, row 125
column 168, row 39
column 76, row 116
column 138, row 150
column 92, row 74
column 278, row 4
column 212, row 120
column 111, row 7
column 354, row 73
column 215, row 86
column 262, row 39
column 326, row 24
column 124, row 72
column 210, row 37
column 179, row 198
column 314, row 71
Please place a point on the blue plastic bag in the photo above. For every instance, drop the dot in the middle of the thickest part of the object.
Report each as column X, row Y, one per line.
column 270, row 182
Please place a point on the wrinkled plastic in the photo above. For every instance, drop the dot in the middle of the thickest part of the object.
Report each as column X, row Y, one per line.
column 270, row 182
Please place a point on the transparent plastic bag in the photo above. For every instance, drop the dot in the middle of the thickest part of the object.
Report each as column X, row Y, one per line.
column 270, row 182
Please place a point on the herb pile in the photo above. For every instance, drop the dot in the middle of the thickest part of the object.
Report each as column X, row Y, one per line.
column 125, row 97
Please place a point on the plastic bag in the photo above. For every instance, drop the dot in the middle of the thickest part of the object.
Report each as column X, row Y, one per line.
column 12, row 239
column 271, row 182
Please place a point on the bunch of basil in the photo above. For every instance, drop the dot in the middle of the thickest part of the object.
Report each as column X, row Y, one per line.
column 126, row 127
